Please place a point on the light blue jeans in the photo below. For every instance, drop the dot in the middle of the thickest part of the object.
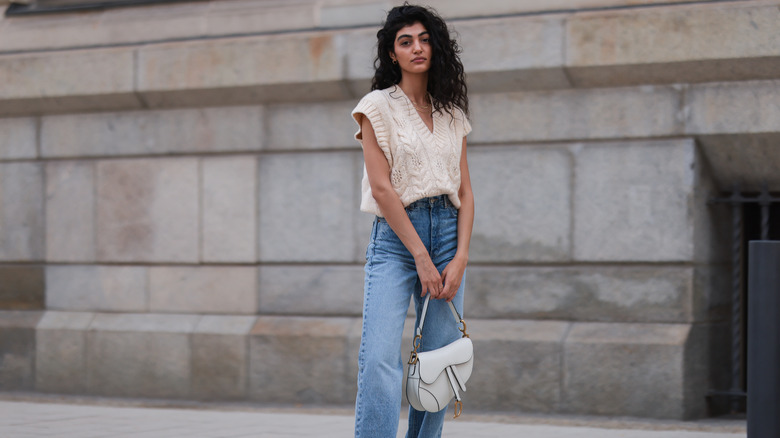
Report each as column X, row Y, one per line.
column 390, row 282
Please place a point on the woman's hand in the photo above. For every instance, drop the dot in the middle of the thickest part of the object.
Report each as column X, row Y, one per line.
column 452, row 277
column 430, row 278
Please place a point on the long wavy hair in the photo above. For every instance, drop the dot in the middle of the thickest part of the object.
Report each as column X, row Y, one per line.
column 446, row 78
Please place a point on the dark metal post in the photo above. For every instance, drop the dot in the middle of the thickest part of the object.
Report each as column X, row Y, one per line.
column 764, row 340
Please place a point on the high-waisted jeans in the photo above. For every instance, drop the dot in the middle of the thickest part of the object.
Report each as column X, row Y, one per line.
column 390, row 281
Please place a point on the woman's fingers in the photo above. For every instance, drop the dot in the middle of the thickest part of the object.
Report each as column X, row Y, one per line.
column 452, row 276
column 430, row 278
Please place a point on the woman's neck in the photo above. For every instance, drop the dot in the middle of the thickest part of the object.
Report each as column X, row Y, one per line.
column 415, row 87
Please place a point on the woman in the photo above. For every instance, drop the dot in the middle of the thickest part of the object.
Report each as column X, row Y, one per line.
column 413, row 129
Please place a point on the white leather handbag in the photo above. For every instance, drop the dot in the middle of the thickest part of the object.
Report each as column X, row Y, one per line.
column 436, row 376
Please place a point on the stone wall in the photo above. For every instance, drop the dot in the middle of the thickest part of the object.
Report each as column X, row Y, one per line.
column 179, row 193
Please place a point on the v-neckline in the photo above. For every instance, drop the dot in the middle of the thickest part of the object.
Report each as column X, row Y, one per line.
column 419, row 121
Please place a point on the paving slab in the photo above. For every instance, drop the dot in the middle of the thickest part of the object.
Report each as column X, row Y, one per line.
column 72, row 418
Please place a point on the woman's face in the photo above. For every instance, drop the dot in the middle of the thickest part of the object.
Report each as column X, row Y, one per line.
column 412, row 49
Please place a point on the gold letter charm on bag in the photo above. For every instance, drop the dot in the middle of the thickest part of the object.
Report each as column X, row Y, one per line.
column 436, row 376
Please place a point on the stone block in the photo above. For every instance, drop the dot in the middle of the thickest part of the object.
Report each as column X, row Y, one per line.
column 233, row 17
column 22, row 287
column 300, row 360
column 147, row 210
column 311, row 290
column 203, row 289
column 21, row 212
column 110, row 27
column 615, row 294
column 633, row 201
column 174, row 131
column 748, row 161
column 52, row 82
column 360, row 48
column 97, row 288
column 711, row 224
column 140, row 355
column 517, row 365
column 229, row 223
column 123, row 26
column 736, row 125
column 733, row 108
column 154, row 22
column 706, row 359
column 220, row 357
column 625, row 369
column 511, row 54
column 318, row 228
column 517, row 217
column 70, row 211
column 61, row 352
column 343, row 15
column 647, row 111
column 17, row 349
column 641, row 46
column 450, row 9
column 282, row 67
column 328, row 125
column 712, row 293
column 17, row 138
column 23, row 35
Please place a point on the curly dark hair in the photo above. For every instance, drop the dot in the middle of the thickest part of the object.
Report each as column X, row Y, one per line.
column 446, row 78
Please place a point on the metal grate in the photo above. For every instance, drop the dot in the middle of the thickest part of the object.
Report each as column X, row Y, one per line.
column 751, row 220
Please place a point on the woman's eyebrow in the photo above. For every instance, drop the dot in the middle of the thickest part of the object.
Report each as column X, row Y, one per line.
column 409, row 36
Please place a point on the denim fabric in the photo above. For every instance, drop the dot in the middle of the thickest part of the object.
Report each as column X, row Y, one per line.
column 390, row 282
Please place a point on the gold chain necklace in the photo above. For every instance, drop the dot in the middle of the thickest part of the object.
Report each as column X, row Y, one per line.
column 420, row 108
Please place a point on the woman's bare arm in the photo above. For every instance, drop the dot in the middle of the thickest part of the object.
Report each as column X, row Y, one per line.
column 453, row 273
column 392, row 208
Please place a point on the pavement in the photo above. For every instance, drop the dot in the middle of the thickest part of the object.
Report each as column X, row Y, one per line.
column 28, row 416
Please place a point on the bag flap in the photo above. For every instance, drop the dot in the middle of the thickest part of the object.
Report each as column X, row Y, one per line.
column 432, row 363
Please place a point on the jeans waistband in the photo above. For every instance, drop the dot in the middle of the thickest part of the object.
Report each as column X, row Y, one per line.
column 433, row 201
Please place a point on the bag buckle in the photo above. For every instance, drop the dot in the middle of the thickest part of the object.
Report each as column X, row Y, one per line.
column 416, row 344
column 463, row 330
column 458, row 408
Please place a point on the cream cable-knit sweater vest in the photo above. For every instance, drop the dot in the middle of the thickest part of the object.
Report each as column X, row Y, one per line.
column 422, row 163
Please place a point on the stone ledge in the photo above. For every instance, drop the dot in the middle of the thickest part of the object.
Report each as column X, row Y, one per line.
column 643, row 46
column 604, row 48
column 615, row 294
column 219, row 18
column 553, row 366
column 54, row 82
column 604, row 113
column 172, row 131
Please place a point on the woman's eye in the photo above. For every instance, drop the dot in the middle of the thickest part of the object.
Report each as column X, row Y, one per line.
column 404, row 43
column 425, row 40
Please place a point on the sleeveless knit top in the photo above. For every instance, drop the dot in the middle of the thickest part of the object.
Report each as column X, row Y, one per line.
column 422, row 163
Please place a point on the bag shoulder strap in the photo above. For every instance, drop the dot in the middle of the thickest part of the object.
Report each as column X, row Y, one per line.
column 455, row 314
